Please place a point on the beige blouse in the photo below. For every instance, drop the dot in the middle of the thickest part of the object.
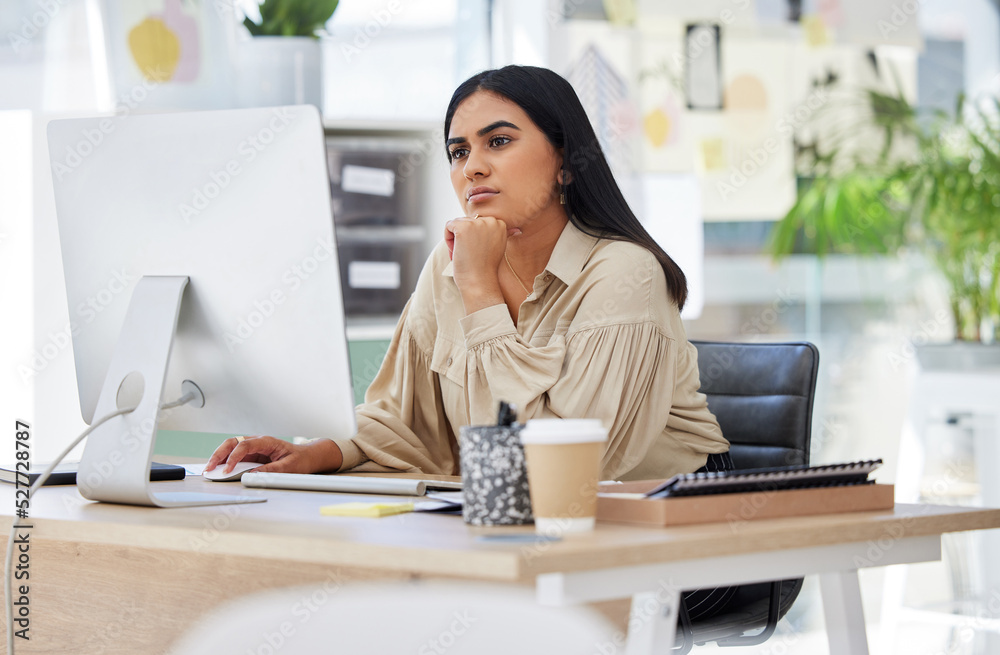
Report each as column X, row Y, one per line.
column 599, row 337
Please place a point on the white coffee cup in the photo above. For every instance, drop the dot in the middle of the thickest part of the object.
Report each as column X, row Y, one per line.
column 564, row 465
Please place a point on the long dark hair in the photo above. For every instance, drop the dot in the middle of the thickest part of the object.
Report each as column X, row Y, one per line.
column 594, row 202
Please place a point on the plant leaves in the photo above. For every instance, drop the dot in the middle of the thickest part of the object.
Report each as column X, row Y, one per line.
column 292, row 17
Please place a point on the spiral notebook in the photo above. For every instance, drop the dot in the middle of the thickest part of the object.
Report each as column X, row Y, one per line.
column 766, row 479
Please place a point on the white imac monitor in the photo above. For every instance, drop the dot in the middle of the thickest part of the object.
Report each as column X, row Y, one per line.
column 199, row 246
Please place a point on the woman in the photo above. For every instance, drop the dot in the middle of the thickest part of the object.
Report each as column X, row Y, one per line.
column 548, row 293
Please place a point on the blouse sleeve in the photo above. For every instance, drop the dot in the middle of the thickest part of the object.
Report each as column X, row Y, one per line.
column 402, row 424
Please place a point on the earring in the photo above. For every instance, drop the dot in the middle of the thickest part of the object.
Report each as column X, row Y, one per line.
column 562, row 198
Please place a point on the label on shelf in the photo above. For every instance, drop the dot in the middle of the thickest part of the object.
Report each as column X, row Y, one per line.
column 373, row 275
column 366, row 179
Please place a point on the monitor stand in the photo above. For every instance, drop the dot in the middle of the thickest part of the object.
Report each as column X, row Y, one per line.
column 115, row 464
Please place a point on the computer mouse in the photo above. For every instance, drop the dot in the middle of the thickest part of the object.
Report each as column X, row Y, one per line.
column 217, row 474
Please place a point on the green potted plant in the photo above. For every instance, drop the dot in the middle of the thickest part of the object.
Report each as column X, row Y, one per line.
column 291, row 17
column 282, row 62
column 932, row 186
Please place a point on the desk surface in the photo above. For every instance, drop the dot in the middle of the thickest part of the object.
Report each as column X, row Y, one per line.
column 115, row 579
column 289, row 527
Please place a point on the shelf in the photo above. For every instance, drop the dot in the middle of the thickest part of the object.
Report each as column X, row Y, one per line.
column 382, row 128
column 381, row 234
column 374, row 328
column 748, row 279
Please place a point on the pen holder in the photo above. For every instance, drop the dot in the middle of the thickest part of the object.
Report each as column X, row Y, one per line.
column 494, row 476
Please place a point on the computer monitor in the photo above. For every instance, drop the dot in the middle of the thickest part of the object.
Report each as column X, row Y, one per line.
column 199, row 246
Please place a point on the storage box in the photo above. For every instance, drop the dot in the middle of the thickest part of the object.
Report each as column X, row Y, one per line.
column 616, row 503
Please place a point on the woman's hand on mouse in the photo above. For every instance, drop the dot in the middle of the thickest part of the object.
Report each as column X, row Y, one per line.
column 477, row 245
column 279, row 456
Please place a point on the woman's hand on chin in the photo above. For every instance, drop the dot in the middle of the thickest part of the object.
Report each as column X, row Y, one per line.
column 477, row 245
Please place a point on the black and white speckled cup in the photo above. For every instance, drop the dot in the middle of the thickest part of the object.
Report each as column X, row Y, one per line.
column 494, row 476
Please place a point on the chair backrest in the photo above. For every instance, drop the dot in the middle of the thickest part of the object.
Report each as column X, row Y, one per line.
column 407, row 616
column 762, row 395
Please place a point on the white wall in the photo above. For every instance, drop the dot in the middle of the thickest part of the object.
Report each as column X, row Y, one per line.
column 48, row 58
column 15, row 274
column 37, row 371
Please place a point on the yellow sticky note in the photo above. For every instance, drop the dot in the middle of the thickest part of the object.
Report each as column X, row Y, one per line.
column 155, row 49
column 815, row 31
column 374, row 510
column 657, row 126
column 713, row 154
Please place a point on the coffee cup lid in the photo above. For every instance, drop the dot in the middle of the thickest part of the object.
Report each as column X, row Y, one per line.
column 563, row 430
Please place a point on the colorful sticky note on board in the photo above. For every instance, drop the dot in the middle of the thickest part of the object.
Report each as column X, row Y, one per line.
column 713, row 154
column 155, row 48
column 165, row 47
column 620, row 12
column 372, row 510
column 815, row 31
column 657, row 126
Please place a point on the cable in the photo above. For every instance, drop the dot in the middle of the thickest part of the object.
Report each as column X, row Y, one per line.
column 9, row 561
column 183, row 400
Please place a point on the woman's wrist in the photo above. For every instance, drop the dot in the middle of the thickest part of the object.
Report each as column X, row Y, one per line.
column 476, row 298
column 324, row 456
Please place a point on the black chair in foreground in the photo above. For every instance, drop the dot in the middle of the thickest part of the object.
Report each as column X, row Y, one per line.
column 762, row 394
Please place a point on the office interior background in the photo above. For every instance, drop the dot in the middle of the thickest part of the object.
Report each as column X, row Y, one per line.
column 720, row 118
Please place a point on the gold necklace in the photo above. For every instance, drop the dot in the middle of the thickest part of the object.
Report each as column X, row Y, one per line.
column 526, row 292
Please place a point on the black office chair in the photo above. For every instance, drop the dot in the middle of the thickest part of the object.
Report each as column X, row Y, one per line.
column 762, row 394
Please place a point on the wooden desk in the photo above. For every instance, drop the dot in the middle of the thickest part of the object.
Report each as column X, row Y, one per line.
column 119, row 579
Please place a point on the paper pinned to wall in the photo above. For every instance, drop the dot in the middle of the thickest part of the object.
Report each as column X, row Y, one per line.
column 671, row 213
column 752, row 178
column 667, row 142
column 702, row 74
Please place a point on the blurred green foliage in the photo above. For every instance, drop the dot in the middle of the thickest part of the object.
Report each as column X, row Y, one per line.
column 924, row 182
column 291, row 17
